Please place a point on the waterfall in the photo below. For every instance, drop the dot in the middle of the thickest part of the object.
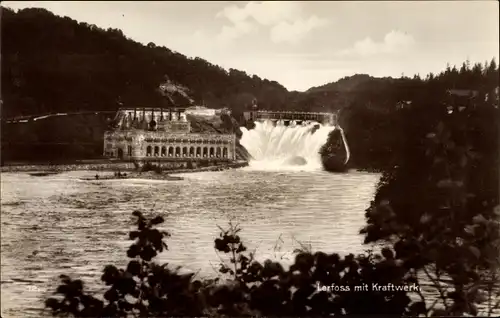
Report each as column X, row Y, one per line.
column 346, row 145
column 279, row 146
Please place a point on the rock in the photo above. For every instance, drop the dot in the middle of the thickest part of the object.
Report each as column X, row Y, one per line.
column 296, row 161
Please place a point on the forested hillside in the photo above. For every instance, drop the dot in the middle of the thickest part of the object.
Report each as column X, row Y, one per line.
column 53, row 64
column 375, row 116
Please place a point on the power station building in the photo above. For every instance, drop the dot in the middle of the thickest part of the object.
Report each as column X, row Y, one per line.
column 163, row 136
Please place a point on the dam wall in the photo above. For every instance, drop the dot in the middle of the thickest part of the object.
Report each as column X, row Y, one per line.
column 279, row 138
column 289, row 116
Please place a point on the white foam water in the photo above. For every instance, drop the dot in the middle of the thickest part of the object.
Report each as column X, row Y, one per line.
column 274, row 147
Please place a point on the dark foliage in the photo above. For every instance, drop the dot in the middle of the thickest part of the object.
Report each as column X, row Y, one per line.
column 148, row 166
column 333, row 153
column 55, row 64
column 144, row 288
column 57, row 139
column 375, row 110
column 439, row 205
column 315, row 285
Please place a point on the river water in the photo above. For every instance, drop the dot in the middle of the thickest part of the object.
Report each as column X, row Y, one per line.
column 60, row 224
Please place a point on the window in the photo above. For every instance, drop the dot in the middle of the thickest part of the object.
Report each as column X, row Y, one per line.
column 129, row 151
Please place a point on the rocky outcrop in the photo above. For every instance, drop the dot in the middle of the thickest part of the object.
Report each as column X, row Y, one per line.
column 333, row 153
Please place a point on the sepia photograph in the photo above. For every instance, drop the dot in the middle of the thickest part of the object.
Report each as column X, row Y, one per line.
column 249, row 159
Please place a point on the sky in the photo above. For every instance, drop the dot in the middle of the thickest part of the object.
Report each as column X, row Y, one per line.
column 304, row 44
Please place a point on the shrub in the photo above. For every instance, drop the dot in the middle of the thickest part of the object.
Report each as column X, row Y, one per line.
column 439, row 207
column 148, row 166
column 143, row 288
column 316, row 284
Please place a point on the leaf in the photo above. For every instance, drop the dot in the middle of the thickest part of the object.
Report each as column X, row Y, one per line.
column 433, row 254
column 473, row 309
column 133, row 235
column 387, row 253
column 459, row 184
column 418, row 308
column 474, row 250
column 450, row 145
column 438, row 160
column 496, row 210
column 440, row 127
column 470, row 229
column 446, row 183
column 373, row 211
column 65, row 279
column 52, row 303
column 425, row 218
column 384, row 203
column 479, row 219
column 463, row 161
column 439, row 312
column 473, row 290
column 157, row 220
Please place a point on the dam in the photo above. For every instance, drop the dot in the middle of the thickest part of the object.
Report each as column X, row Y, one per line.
column 163, row 137
column 289, row 117
column 279, row 139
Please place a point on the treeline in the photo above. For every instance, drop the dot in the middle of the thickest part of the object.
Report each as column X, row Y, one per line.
column 373, row 119
column 55, row 139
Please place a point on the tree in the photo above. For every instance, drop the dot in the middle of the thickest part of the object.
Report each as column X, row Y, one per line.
column 492, row 72
column 440, row 205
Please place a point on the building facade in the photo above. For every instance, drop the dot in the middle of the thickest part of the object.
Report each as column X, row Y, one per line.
column 163, row 135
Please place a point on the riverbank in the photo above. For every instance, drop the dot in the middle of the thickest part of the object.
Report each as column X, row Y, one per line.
column 150, row 175
column 234, row 165
column 109, row 166
column 93, row 166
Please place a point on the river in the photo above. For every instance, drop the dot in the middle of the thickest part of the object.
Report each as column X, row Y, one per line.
column 60, row 224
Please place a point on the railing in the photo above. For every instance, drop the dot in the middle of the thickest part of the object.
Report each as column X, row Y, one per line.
column 26, row 118
column 346, row 146
column 291, row 115
column 293, row 112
